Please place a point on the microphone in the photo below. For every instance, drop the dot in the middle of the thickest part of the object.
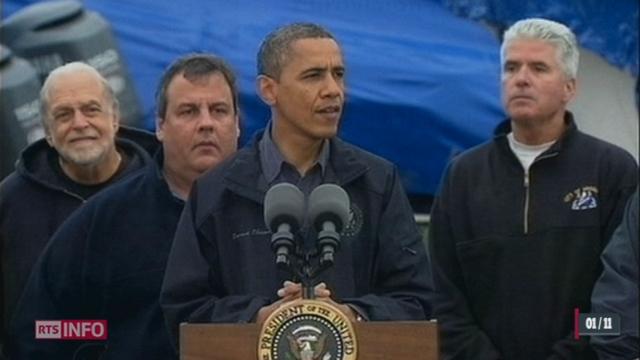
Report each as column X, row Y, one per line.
column 329, row 213
column 283, row 215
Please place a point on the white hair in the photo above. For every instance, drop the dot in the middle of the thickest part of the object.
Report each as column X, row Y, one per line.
column 554, row 33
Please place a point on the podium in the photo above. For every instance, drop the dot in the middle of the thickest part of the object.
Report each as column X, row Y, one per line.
column 384, row 340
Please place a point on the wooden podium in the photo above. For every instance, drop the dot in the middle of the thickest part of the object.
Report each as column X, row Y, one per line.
column 393, row 340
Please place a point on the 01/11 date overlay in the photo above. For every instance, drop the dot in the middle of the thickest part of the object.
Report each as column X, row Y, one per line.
column 596, row 324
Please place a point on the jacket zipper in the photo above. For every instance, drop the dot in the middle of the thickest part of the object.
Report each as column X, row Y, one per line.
column 527, row 189
column 526, row 202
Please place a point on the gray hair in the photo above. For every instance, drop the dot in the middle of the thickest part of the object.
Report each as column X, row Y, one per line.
column 276, row 47
column 554, row 33
column 71, row 68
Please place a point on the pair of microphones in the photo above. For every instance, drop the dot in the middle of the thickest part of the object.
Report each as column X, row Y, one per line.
column 285, row 210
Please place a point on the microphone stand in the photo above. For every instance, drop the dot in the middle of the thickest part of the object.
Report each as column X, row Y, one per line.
column 305, row 269
column 308, row 287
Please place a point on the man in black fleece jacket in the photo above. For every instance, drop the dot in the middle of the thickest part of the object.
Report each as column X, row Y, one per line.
column 520, row 221
column 84, row 151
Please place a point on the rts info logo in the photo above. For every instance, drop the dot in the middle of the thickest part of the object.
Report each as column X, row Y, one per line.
column 71, row 329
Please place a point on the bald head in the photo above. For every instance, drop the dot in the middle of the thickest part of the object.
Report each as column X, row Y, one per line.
column 80, row 117
column 59, row 75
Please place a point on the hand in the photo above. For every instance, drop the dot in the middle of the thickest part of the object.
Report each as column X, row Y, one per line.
column 294, row 291
column 291, row 291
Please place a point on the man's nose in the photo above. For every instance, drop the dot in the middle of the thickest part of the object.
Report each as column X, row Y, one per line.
column 333, row 86
column 206, row 120
column 79, row 120
column 523, row 76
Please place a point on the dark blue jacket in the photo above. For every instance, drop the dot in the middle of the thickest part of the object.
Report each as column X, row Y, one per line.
column 105, row 262
column 616, row 291
column 34, row 202
column 221, row 267
column 513, row 257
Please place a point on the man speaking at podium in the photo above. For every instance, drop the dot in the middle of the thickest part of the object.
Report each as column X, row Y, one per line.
column 221, row 267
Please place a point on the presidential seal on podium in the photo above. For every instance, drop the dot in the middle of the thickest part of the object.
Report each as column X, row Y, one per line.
column 307, row 330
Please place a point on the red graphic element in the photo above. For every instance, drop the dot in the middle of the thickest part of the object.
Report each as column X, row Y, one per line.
column 71, row 329
column 576, row 324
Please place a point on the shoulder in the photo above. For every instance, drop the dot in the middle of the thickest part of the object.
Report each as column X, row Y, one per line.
column 589, row 145
column 12, row 183
column 10, row 188
column 241, row 173
column 611, row 161
column 242, row 165
column 346, row 155
column 475, row 157
column 358, row 152
column 358, row 168
column 19, row 189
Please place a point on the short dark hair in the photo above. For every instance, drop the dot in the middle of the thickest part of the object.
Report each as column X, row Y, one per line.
column 195, row 67
column 275, row 48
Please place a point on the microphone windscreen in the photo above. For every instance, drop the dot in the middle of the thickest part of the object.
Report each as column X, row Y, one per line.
column 329, row 202
column 283, row 203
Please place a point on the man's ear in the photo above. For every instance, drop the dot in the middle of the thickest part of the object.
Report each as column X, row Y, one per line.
column 238, row 126
column 267, row 89
column 116, row 122
column 47, row 133
column 570, row 90
column 159, row 129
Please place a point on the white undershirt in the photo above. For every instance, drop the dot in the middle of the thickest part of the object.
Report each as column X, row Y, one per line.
column 527, row 153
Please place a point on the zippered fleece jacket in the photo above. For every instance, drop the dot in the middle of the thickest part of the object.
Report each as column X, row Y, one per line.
column 515, row 254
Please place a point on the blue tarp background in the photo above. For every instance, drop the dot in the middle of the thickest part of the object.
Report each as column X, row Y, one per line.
column 422, row 82
column 609, row 28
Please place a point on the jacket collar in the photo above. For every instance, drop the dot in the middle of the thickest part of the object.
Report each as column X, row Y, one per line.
column 34, row 162
column 245, row 177
column 271, row 159
column 504, row 128
column 155, row 173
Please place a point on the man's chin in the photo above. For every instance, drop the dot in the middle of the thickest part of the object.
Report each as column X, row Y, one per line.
column 206, row 162
column 84, row 157
column 327, row 132
column 522, row 115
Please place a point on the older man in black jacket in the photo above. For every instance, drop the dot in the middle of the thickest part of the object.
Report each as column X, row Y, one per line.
column 85, row 150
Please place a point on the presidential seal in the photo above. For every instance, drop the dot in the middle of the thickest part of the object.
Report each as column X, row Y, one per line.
column 307, row 330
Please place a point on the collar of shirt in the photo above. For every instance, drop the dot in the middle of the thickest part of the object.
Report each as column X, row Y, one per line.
column 272, row 160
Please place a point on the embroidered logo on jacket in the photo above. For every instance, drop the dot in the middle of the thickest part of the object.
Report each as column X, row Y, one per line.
column 251, row 232
column 583, row 198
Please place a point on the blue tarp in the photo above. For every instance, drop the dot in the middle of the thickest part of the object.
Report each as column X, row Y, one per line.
column 423, row 83
column 610, row 28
